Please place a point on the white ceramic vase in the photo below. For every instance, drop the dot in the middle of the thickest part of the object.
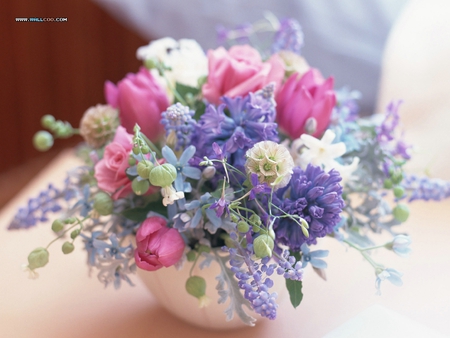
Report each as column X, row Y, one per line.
column 168, row 286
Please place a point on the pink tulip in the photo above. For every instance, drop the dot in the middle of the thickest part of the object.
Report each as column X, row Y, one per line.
column 157, row 245
column 238, row 72
column 301, row 98
column 110, row 170
column 140, row 99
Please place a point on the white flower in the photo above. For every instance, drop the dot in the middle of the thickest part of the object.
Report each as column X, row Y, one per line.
column 170, row 195
column 272, row 163
column 322, row 153
column 185, row 57
column 294, row 63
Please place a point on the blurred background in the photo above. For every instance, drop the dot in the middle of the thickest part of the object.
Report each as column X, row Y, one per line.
column 59, row 68
column 56, row 68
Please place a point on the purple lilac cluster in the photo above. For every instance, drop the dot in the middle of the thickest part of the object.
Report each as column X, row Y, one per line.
column 251, row 119
column 255, row 281
column 288, row 37
column 315, row 196
column 289, row 267
column 37, row 209
column 178, row 119
column 240, row 35
column 425, row 188
column 386, row 133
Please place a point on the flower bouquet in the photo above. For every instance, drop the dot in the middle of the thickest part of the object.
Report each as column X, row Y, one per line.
column 245, row 156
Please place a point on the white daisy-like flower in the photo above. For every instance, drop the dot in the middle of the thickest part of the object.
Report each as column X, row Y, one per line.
column 271, row 161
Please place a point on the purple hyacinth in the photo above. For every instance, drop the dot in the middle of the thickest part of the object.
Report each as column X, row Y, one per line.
column 251, row 119
column 288, row 37
column 178, row 119
column 315, row 196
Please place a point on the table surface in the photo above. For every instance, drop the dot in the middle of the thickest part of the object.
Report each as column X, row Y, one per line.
column 66, row 302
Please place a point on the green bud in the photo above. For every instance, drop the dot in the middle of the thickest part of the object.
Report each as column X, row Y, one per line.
column 150, row 64
column 401, row 212
column 47, row 121
column 256, row 228
column 57, row 225
column 263, row 246
column 43, row 140
column 67, row 248
column 70, row 220
column 196, row 286
column 145, row 149
column 387, row 183
column 255, row 219
column 228, row 241
column 203, row 248
column 136, row 150
column 38, row 258
column 140, row 187
column 163, row 175
column 144, row 167
column 271, row 233
column 74, row 233
column 234, row 218
column 103, row 203
column 131, row 161
column 397, row 177
column 399, row 191
column 243, row 226
column 191, row 256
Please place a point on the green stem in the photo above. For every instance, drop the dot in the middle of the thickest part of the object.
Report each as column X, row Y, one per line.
column 65, row 231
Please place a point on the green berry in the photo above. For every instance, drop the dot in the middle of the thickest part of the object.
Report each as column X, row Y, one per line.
column 163, row 175
column 103, row 203
column 70, row 220
column 43, row 140
column 140, row 187
column 196, row 286
column 263, row 246
column 401, row 212
column 131, row 161
column 47, row 121
column 243, row 226
column 38, row 258
column 144, row 167
column 387, row 183
column 191, row 256
column 255, row 219
column 57, row 225
column 234, row 218
column 397, row 177
column 399, row 191
column 74, row 233
column 203, row 248
column 67, row 248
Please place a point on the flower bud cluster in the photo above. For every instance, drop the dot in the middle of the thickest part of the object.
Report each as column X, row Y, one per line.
column 99, row 124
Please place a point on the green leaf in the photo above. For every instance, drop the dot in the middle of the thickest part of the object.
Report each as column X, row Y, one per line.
column 139, row 214
column 295, row 291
